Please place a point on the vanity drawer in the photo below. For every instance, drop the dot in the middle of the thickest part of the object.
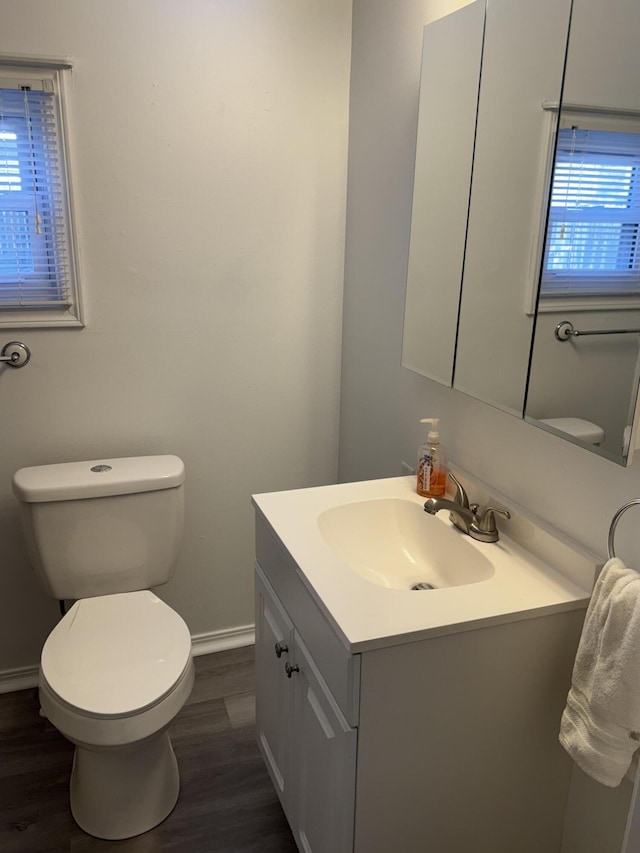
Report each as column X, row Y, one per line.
column 339, row 669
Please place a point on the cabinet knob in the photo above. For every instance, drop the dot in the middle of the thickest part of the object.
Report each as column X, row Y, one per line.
column 291, row 669
column 280, row 648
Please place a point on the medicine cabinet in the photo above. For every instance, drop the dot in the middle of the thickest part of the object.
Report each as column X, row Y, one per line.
column 501, row 82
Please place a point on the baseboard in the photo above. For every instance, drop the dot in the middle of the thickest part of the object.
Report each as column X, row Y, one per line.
column 26, row 677
column 22, row 678
column 218, row 641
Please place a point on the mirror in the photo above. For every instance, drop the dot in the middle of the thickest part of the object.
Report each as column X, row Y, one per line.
column 590, row 271
column 451, row 55
column 471, row 242
column 477, row 249
column 522, row 65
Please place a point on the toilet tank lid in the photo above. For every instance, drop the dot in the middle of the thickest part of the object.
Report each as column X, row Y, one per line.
column 97, row 478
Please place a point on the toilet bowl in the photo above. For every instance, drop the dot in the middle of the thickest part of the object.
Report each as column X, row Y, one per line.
column 118, row 667
column 585, row 431
column 114, row 673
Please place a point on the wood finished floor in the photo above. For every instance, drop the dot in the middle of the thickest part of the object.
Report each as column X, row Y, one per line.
column 227, row 803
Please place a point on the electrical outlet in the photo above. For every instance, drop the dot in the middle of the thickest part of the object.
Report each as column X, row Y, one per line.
column 406, row 469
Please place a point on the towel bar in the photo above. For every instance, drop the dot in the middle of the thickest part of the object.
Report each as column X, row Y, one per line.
column 614, row 523
column 564, row 331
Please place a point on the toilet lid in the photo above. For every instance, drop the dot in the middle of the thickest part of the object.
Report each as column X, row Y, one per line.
column 578, row 428
column 116, row 654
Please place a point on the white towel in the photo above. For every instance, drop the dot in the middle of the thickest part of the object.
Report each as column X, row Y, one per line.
column 600, row 724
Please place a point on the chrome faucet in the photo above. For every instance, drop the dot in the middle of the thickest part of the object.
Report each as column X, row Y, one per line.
column 467, row 517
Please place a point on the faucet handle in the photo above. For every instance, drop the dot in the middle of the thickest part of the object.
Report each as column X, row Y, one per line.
column 487, row 521
column 460, row 496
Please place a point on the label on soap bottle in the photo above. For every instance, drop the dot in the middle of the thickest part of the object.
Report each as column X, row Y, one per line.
column 432, row 479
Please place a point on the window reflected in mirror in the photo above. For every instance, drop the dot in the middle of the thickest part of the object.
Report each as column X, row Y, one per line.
column 583, row 384
column 594, row 215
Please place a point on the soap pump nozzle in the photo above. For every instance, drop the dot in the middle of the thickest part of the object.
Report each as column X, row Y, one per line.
column 434, row 435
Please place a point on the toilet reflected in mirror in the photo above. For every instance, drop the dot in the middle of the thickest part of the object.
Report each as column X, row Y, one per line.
column 582, row 431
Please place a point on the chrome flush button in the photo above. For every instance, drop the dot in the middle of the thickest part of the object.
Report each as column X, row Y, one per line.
column 98, row 469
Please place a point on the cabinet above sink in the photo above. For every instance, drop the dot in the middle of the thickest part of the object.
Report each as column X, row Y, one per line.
column 528, row 114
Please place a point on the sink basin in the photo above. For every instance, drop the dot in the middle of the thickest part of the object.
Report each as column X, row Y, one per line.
column 394, row 543
column 358, row 548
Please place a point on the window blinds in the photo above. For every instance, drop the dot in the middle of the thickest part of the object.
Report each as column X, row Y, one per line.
column 594, row 214
column 34, row 256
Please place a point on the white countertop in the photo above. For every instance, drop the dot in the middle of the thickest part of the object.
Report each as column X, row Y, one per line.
column 545, row 577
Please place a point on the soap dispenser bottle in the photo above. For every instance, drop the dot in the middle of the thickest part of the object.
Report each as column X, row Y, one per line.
column 432, row 463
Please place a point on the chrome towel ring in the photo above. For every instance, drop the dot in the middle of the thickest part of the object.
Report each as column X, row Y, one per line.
column 614, row 523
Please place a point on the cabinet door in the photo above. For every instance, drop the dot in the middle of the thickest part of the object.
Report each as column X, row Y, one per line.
column 522, row 65
column 449, row 83
column 274, row 694
column 323, row 764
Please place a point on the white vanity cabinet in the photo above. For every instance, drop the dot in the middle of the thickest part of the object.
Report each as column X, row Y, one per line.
column 308, row 745
column 274, row 644
column 445, row 743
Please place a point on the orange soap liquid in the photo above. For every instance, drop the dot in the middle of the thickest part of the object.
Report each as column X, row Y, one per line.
column 431, row 484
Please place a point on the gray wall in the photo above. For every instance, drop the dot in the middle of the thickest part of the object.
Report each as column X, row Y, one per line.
column 209, row 143
column 381, row 402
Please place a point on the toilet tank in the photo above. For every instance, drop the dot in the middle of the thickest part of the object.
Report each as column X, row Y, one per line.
column 102, row 526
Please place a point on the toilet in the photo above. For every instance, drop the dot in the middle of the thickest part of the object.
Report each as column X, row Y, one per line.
column 584, row 431
column 118, row 667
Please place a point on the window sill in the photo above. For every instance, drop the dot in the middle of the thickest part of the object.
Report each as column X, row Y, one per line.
column 35, row 319
column 588, row 303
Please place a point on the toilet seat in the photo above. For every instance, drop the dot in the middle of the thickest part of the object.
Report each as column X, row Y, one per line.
column 99, row 732
column 116, row 655
column 116, row 669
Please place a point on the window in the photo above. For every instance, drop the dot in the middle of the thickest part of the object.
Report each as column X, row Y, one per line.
column 38, row 282
column 593, row 233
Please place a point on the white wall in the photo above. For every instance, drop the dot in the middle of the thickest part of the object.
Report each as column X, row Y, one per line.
column 603, row 63
column 209, row 151
column 381, row 402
